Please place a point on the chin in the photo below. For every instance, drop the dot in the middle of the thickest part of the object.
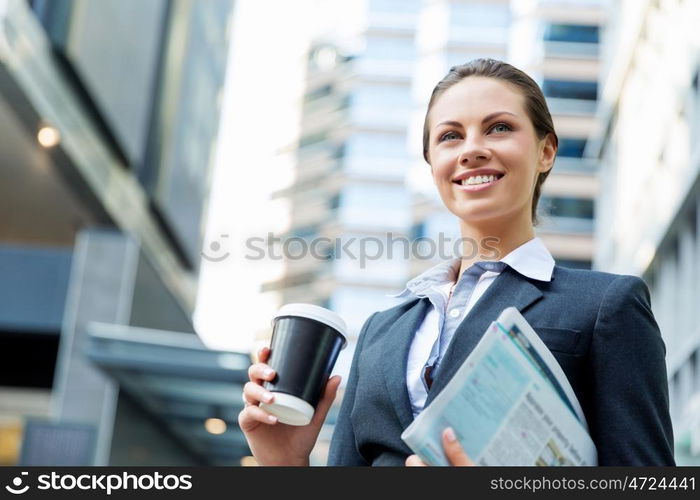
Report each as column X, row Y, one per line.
column 475, row 221
column 477, row 215
column 480, row 212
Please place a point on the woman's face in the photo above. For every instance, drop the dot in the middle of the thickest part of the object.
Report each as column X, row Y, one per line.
column 484, row 153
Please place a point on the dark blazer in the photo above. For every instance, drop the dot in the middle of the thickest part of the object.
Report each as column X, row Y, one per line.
column 600, row 328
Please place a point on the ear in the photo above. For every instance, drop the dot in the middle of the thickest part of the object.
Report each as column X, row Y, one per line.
column 547, row 154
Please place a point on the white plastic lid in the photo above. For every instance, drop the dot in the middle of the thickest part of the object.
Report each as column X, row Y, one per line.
column 317, row 313
column 289, row 409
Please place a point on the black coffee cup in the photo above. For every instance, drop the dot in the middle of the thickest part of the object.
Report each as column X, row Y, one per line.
column 306, row 341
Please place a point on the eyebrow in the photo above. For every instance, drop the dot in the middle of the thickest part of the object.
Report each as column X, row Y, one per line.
column 487, row 118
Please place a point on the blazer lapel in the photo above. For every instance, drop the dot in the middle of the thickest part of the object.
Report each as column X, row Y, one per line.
column 395, row 357
column 509, row 289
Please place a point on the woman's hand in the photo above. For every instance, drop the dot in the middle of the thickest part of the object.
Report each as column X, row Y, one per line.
column 271, row 442
column 454, row 451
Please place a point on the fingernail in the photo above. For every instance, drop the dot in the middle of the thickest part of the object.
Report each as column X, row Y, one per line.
column 272, row 419
column 268, row 372
column 267, row 397
column 450, row 435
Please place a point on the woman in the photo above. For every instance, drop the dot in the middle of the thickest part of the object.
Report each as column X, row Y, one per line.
column 490, row 142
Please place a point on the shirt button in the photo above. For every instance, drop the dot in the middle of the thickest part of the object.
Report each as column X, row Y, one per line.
column 454, row 313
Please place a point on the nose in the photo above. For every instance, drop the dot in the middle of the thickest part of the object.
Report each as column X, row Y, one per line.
column 474, row 154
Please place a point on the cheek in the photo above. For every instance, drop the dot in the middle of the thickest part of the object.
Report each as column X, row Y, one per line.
column 440, row 165
column 519, row 157
column 513, row 150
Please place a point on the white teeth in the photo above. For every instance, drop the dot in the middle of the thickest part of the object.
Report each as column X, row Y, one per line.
column 478, row 179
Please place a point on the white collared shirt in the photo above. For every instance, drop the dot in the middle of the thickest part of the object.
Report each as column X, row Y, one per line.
column 531, row 259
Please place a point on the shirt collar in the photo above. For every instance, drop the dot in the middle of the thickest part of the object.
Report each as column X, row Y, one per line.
column 444, row 272
column 531, row 259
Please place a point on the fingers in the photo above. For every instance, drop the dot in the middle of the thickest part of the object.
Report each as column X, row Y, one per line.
column 254, row 394
column 263, row 354
column 454, row 451
column 326, row 401
column 260, row 372
column 252, row 416
column 414, row 461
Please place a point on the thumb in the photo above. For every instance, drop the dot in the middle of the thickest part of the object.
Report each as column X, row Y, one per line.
column 454, row 451
column 326, row 401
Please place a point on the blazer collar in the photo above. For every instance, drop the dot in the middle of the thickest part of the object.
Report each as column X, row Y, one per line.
column 509, row 289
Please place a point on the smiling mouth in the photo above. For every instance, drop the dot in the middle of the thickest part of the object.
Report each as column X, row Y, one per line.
column 477, row 180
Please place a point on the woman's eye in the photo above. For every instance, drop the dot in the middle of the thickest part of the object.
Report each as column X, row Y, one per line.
column 501, row 127
column 449, row 136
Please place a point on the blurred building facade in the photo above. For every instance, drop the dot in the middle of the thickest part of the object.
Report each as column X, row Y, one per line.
column 649, row 199
column 109, row 121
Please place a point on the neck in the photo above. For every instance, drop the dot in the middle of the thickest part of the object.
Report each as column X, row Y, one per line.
column 493, row 239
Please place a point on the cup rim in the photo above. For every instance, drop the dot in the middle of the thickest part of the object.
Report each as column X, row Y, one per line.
column 318, row 313
column 289, row 409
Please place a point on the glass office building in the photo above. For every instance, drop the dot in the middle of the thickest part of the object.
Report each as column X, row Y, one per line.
column 109, row 122
column 650, row 195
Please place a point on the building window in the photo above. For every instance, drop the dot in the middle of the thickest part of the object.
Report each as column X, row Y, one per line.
column 580, row 208
column 418, row 230
column 382, row 97
column 339, row 152
column 390, row 48
column 310, row 139
column 376, row 145
column 570, row 89
column 571, row 148
column 576, row 33
column 334, row 202
column 306, row 232
column 393, row 6
column 322, row 91
column 480, row 14
column 694, row 104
